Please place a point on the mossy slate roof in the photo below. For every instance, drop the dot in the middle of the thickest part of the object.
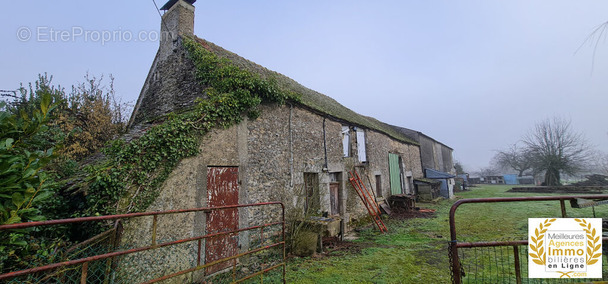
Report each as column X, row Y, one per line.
column 309, row 98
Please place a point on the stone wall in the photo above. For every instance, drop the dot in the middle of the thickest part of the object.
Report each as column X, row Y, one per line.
column 170, row 84
column 448, row 163
column 428, row 152
column 379, row 147
column 272, row 153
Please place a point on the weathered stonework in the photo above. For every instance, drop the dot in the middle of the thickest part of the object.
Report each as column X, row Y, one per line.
column 273, row 153
column 171, row 85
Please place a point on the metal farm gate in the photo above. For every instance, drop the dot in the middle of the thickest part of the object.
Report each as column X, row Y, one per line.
column 504, row 261
column 106, row 258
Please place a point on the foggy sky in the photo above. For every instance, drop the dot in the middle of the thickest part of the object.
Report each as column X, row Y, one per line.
column 475, row 75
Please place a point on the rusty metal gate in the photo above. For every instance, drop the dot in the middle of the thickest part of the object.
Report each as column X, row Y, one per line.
column 503, row 261
column 106, row 259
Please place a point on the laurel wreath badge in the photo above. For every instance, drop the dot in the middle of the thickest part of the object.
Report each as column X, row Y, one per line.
column 536, row 246
column 594, row 243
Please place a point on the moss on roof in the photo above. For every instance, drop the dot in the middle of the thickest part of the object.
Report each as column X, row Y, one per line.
column 309, row 98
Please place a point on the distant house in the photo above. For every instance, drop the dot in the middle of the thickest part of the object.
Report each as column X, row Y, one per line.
column 525, row 180
column 493, row 179
column 474, row 180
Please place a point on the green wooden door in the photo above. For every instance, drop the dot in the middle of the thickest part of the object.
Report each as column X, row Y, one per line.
column 395, row 175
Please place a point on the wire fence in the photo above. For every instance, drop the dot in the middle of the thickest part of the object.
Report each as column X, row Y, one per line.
column 500, row 264
column 504, row 261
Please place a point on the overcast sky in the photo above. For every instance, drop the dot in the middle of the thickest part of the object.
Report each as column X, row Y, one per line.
column 475, row 75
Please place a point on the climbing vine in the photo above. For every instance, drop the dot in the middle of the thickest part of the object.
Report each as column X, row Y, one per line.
column 130, row 177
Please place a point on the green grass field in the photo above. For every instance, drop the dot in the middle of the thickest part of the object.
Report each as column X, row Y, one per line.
column 415, row 250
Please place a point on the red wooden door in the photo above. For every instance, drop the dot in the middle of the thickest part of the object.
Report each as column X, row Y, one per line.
column 222, row 189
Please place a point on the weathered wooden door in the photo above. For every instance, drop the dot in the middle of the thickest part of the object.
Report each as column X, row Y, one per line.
column 222, row 189
column 395, row 173
column 334, row 198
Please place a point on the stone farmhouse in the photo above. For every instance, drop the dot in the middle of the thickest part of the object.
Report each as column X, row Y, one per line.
column 298, row 153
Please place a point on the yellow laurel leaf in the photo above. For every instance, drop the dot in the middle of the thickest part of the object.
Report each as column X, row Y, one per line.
column 532, row 247
column 577, row 220
column 541, row 251
column 596, row 239
column 552, row 220
column 589, row 243
column 538, row 262
column 597, row 255
column 597, row 247
column 533, row 255
column 543, row 231
column 589, row 252
column 592, row 262
column 540, row 244
column 533, row 238
column 593, row 230
column 536, row 231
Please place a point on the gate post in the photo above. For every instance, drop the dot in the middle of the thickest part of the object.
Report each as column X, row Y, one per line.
column 455, row 262
column 517, row 268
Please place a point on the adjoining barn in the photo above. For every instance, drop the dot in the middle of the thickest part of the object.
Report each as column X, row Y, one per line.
column 437, row 161
column 298, row 152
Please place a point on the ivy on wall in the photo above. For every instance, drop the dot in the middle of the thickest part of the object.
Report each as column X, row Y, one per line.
column 130, row 177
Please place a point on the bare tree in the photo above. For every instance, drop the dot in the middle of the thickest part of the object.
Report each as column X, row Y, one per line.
column 599, row 163
column 556, row 148
column 515, row 158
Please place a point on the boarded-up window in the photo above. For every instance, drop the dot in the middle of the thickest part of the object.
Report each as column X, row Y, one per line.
column 312, row 203
column 346, row 141
column 361, row 145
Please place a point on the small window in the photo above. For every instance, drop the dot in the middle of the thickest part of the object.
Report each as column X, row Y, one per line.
column 334, row 177
column 346, row 141
column 361, row 145
column 378, row 186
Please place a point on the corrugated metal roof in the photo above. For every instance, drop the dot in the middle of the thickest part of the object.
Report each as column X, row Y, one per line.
column 426, row 180
column 430, row 173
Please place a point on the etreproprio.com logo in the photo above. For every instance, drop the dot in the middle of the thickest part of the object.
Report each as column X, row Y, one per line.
column 77, row 33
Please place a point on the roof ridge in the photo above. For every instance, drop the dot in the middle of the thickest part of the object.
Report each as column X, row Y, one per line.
column 309, row 98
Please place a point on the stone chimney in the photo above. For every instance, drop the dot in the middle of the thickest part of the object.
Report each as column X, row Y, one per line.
column 178, row 20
